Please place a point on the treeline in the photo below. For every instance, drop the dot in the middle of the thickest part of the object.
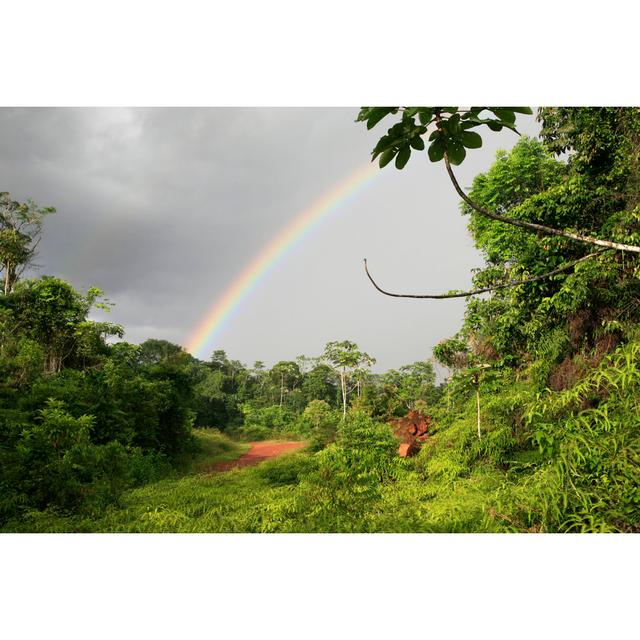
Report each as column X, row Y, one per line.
column 257, row 401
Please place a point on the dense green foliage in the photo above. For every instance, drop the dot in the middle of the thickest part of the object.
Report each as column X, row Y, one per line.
column 20, row 229
column 536, row 429
column 545, row 464
column 80, row 420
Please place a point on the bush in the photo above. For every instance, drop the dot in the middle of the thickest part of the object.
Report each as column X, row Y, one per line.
column 148, row 467
column 287, row 470
column 255, row 432
column 589, row 445
column 274, row 417
column 365, row 452
column 266, row 422
column 51, row 463
column 319, row 422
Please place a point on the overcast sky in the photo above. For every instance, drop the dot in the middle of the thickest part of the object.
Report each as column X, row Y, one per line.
column 162, row 208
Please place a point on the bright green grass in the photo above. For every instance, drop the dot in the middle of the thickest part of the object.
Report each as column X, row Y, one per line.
column 285, row 495
column 213, row 447
column 240, row 500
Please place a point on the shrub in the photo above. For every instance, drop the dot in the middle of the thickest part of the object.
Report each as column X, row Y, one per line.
column 255, row 432
column 365, row 451
column 275, row 418
column 148, row 467
column 287, row 470
column 52, row 462
column 588, row 437
column 319, row 421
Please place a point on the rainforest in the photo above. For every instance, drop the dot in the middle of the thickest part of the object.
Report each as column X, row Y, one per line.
column 526, row 419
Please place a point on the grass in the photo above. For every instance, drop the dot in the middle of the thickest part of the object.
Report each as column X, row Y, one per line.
column 544, row 463
column 213, row 447
column 456, row 484
column 242, row 500
column 286, row 494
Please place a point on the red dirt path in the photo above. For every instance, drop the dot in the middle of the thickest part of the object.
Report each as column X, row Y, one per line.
column 259, row 452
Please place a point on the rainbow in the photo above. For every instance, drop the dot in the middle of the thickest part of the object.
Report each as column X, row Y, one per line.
column 257, row 270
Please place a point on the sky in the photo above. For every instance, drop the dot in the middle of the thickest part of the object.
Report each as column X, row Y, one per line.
column 162, row 208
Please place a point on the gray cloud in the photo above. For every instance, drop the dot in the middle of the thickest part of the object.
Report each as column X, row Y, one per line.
column 162, row 208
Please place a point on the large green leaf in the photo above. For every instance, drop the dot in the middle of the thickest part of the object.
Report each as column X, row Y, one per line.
column 425, row 115
column 376, row 115
column 382, row 144
column 373, row 115
column 436, row 150
column 506, row 115
column 387, row 157
column 471, row 139
column 456, row 151
column 417, row 143
column 403, row 157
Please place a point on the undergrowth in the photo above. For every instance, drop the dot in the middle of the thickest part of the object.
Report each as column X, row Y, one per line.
column 545, row 462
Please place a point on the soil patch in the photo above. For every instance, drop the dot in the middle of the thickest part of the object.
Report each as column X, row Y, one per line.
column 259, row 452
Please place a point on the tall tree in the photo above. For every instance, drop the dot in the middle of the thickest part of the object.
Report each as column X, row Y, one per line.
column 319, row 384
column 20, row 232
column 287, row 375
column 153, row 351
column 347, row 360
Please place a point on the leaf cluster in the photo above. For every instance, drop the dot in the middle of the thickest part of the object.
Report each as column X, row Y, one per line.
column 450, row 129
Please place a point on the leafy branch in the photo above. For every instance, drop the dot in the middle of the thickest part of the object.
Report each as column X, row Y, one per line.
column 532, row 226
column 451, row 135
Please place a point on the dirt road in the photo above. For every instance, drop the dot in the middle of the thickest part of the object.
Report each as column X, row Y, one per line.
column 259, row 452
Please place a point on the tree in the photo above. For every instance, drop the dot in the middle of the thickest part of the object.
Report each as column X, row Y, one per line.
column 319, row 384
column 417, row 383
column 317, row 413
column 466, row 362
column 219, row 360
column 597, row 187
column 54, row 314
column 20, row 232
column 154, row 351
column 287, row 375
column 450, row 135
column 347, row 360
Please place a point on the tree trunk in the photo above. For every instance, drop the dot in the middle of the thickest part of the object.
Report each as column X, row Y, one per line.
column 7, row 277
column 478, row 408
column 281, row 389
column 343, row 383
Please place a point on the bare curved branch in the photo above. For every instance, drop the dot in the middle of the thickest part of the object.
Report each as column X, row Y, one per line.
column 475, row 292
column 532, row 226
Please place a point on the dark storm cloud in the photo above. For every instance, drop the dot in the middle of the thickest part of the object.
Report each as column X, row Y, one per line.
column 162, row 208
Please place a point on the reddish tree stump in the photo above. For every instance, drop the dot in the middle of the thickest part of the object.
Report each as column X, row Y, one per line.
column 403, row 450
column 412, row 430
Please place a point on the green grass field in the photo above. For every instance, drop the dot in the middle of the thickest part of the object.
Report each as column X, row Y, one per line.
column 285, row 494
column 199, row 500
